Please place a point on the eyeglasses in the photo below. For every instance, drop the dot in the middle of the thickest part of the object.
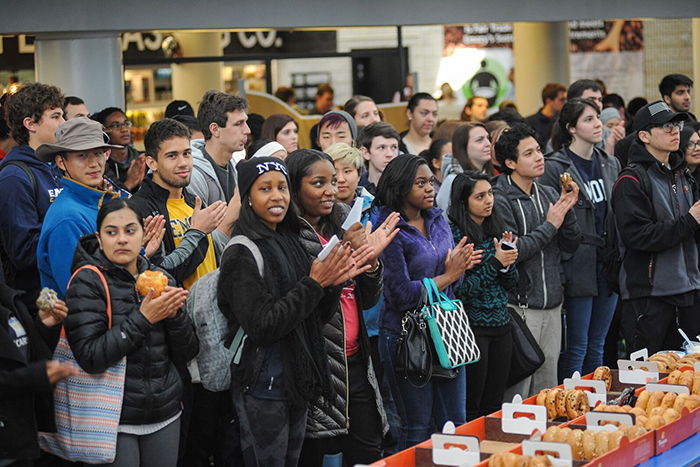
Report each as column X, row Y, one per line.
column 118, row 126
column 668, row 126
column 693, row 146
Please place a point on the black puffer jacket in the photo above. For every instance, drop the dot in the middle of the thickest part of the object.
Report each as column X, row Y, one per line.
column 333, row 420
column 153, row 389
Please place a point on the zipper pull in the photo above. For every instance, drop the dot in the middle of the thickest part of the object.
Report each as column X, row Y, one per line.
column 272, row 378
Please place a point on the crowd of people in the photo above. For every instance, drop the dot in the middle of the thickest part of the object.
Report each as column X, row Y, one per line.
column 582, row 220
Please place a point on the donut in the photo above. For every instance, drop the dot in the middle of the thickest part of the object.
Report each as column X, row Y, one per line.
column 540, row 461
column 668, row 400
column 655, row 400
column 674, row 356
column 657, row 411
column 685, row 362
column 542, row 397
column 602, row 442
column 148, row 280
column 615, row 438
column 674, row 377
column 680, row 402
column 575, row 440
column 590, row 451
column 692, row 402
column 635, row 432
column 670, row 415
column 686, row 379
column 566, row 181
column 603, row 373
column 642, row 420
column 637, row 411
column 551, row 403
column 550, row 434
column 562, row 435
column 576, row 404
column 561, row 403
column 643, row 400
column 600, row 407
column 47, row 299
column 696, row 384
column 655, row 422
column 665, row 361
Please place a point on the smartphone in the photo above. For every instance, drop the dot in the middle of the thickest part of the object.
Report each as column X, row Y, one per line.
column 506, row 245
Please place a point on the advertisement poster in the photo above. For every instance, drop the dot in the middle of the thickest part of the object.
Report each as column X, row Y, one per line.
column 478, row 61
column 612, row 51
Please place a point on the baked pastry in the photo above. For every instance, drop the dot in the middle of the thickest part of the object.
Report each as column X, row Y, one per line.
column 148, row 280
column 654, row 401
column 542, row 397
column 603, row 373
column 674, row 377
column 550, row 433
column 566, row 181
column 47, row 299
column 602, row 441
column 686, row 379
column 615, row 438
column 643, row 400
column 590, row 450
column 551, row 403
column 576, row 404
column 575, row 440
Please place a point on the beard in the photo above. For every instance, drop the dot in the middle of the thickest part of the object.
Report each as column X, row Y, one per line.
column 175, row 182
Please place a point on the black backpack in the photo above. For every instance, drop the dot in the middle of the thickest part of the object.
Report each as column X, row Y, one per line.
column 612, row 257
column 8, row 268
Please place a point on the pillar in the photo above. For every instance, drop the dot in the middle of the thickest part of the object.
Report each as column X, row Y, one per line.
column 192, row 80
column 541, row 55
column 696, row 65
column 87, row 65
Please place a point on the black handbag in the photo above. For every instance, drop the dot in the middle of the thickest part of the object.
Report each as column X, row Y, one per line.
column 527, row 355
column 416, row 357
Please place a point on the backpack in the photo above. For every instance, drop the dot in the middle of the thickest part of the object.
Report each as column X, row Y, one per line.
column 8, row 268
column 211, row 326
column 612, row 256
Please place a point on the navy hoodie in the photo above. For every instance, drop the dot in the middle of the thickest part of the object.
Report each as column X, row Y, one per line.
column 21, row 216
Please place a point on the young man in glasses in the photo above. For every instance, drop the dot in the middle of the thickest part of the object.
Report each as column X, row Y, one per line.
column 126, row 167
column 657, row 213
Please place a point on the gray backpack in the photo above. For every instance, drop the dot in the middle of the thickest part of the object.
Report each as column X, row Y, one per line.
column 211, row 326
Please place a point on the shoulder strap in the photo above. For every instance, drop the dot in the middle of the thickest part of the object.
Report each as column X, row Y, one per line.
column 248, row 243
column 30, row 175
column 104, row 283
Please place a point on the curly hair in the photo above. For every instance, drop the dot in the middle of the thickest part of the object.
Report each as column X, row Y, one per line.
column 163, row 130
column 507, row 145
column 32, row 100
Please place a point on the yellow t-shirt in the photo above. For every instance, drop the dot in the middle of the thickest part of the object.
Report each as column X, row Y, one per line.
column 180, row 221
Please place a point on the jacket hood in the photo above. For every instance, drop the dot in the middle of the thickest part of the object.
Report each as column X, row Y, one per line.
column 88, row 252
column 639, row 154
column 26, row 154
column 450, row 166
column 506, row 187
column 199, row 160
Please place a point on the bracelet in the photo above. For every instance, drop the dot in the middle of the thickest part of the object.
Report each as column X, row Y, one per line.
column 372, row 271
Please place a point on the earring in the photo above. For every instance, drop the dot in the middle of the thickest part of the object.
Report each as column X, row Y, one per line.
column 250, row 204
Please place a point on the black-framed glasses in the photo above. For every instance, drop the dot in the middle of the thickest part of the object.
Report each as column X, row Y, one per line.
column 692, row 146
column 116, row 126
column 669, row 126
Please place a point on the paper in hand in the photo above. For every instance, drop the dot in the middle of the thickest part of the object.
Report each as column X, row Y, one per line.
column 328, row 248
column 355, row 213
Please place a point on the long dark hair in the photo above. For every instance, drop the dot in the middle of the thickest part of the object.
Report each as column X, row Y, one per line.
column 462, row 188
column 115, row 205
column 568, row 118
column 299, row 165
column 397, row 182
column 460, row 140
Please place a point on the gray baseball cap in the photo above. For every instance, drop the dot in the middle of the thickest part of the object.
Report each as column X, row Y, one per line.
column 77, row 134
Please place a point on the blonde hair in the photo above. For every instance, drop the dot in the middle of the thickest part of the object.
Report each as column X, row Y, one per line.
column 346, row 154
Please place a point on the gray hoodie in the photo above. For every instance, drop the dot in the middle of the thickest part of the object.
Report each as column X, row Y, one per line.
column 449, row 170
column 205, row 184
column 540, row 244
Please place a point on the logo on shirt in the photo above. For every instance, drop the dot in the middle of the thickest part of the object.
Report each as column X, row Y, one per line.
column 595, row 190
column 180, row 226
column 53, row 193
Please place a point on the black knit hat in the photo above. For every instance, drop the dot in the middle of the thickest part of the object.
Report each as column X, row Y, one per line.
column 250, row 170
